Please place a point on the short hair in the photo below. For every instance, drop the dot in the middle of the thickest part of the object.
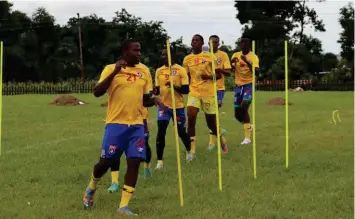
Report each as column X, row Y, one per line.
column 201, row 38
column 126, row 43
column 214, row 36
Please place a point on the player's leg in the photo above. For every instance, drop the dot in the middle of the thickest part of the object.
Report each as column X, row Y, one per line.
column 147, row 171
column 210, row 114
column 163, row 123
column 212, row 143
column 193, row 106
column 115, row 170
column 181, row 126
column 110, row 154
column 247, row 98
column 238, row 98
column 135, row 154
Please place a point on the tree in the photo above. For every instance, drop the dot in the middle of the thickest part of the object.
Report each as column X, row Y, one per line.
column 347, row 35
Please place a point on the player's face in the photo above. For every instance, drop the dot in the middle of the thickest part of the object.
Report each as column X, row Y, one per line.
column 196, row 43
column 164, row 56
column 134, row 53
column 215, row 43
column 245, row 45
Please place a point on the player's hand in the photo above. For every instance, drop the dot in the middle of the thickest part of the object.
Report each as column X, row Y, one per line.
column 167, row 84
column 205, row 77
column 119, row 65
column 159, row 102
column 245, row 59
column 219, row 71
column 234, row 60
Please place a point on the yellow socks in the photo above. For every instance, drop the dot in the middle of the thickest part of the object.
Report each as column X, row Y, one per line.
column 247, row 130
column 127, row 193
column 160, row 162
column 93, row 182
column 147, row 165
column 114, row 176
column 193, row 144
column 212, row 139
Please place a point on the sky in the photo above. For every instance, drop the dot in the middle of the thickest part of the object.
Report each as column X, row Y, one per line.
column 185, row 17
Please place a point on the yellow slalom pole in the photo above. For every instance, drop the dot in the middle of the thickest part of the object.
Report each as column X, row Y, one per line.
column 213, row 60
column 1, row 69
column 253, row 111
column 175, row 125
column 286, row 98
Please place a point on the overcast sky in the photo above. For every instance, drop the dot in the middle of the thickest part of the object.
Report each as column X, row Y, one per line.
column 185, row 17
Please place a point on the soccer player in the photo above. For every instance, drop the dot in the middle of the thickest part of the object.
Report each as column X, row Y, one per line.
column 201, row 95
column 242, row 62
column 224, row 64
column 162, row 88
column 147, row 171
column 127, row 85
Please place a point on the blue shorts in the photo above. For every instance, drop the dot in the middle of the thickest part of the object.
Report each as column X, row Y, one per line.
column 146, row 130
column 167, row 114
column 243, row 93
column 119, row 138
column 220, row 96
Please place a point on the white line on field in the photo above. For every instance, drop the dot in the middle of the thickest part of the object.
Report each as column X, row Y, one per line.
column 53, row 142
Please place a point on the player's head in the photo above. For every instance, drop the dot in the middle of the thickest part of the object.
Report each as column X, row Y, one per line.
column 215, row 42
column 197, row 42
column 245, row 44
column 131, row 51
column 164, row 55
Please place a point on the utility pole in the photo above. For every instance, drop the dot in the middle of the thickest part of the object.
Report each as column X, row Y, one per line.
column 80, row 49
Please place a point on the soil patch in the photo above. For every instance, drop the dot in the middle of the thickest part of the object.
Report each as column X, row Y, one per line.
column 278, row 101
column 67, row 100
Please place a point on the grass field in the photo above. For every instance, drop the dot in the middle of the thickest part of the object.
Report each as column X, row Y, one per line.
column 48, row 153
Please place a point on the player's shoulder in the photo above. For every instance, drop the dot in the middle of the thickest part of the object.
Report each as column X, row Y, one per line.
column 179, row 68
column 142, row 67
column 160, row 69
column 110, row 67
column 188, row 57
column 236, row 54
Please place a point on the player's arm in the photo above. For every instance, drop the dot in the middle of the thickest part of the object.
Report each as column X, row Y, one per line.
column 233, row 62
column 226, row 68
column 106, row 78
column 184, row 89
column 184, row 64
column 156, row 89
column 250, row 65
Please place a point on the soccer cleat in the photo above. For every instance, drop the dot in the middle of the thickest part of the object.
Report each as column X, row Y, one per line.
column 211, row 147
column 113, row 188
column 147, row 172
column 246, row 141
column 190, row 156
column 159, row 166
column 89, row 198
column 126, row 211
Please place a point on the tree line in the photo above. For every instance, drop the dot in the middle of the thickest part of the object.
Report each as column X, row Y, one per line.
column 37, row 49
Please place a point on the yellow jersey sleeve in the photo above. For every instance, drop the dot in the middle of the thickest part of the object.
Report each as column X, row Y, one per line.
column 184, row 77
column 106, row 72
column 149, row 84
column 256, row 61
column 226, row 62
column 156, row 78
column 186, row 67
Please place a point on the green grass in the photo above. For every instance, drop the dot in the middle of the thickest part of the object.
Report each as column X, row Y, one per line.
column 48, row 153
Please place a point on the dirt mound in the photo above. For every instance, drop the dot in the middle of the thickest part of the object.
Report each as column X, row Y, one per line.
column 278, row 101
column 65, row 100
column 298, row 89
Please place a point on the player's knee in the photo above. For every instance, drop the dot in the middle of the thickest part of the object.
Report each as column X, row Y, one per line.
column 245, row 104
column 192, row 112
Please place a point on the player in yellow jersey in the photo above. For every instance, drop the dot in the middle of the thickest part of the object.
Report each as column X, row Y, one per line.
column 127, row 86
column 242, row 63
column 201, row 95
column 162, row 88
column 224, row 64
column 147, row 171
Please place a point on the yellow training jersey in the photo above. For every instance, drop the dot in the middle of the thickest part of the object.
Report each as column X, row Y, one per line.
column 222, row 63
column 243, row 75
column 196, row 65
column 180, row 78
column 125, row 94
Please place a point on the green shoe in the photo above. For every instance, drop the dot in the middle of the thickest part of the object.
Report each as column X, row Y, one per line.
column 113, row 188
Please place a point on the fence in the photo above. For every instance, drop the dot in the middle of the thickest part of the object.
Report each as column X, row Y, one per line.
column 87, row 87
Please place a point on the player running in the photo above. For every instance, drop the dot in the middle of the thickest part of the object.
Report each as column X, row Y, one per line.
column 224, row 64
column 127, row 85
column 162, row 88
column 201, row 95
column 242, row 62
column 147, row 171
